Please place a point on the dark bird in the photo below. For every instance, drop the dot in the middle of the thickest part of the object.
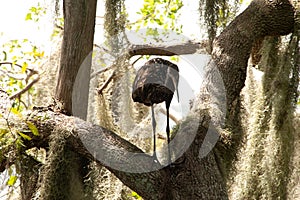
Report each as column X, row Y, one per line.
column 155, row 82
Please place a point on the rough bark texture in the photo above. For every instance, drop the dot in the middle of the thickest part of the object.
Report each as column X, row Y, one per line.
column 63, row 174
column 190, row 176
column 29, row 178
column 232, row 49
column 78, row 39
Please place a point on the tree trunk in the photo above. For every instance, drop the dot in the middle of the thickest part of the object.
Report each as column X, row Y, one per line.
column 65, row 169
column 79, row 24
column 232, row 48
column 231, row 51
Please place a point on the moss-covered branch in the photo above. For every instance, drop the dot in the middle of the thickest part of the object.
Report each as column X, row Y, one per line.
column 95, row 142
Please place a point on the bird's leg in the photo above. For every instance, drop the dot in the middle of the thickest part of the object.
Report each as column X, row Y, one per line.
column 168, row 131
column 177, row 94
column 153, row 130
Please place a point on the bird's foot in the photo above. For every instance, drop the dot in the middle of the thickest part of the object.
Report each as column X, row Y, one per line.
column 155, row 160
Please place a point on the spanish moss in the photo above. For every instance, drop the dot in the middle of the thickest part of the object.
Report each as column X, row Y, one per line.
column 216, row 14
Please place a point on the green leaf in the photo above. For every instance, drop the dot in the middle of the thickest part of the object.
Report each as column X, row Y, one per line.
column 5, row 56
column 3, row 131
column 171, row 16
column 12, row 180
column 135, row 195
column 174, row 58
column 26, row 137
column 24, row 67
column 15, row 111
column 32, row 9
column 28, row 17
column 19, row 143
column 33, row 128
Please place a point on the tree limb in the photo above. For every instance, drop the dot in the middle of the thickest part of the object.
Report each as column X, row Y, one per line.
column 100, row 90
column 106, row 144
column 93, row 141
column 26, row 88
column 169, row 50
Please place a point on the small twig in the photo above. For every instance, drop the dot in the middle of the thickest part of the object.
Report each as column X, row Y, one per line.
column 27, row 87
column 104, row 49
column 100, row 71
column 10, row 63
column 168, row 6
column 139, row 20
column 22, row 102
column 137, row 60
column 172, row 117
column 162, row 137
column 12, row 75
column 18, row 65
column 96, row 45
column 106, row 83
column 59, row 27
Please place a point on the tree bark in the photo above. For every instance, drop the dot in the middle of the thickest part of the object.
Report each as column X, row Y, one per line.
column 232, row 48
column 172, row 50
column 77, row 44
column 231, row 51
column 190, row 176
column 65, row 170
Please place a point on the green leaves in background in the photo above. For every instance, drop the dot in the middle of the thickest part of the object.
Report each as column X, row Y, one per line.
column 35, row 13
column 159, row 14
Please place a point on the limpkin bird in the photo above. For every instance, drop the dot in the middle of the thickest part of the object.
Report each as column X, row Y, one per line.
column 155, row 82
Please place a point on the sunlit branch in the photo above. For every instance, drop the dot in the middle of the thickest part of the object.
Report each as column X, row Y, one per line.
column 26, row 88
column 168, row 50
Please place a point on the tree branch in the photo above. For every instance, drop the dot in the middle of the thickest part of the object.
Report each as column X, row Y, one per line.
column 100, row 90
column 26, row 88
column 125, row 159
column 103, row 144
column 20, row 66
column 170, row 50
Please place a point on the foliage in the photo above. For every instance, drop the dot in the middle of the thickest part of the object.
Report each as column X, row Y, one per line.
column 35, row 13
column 216, row 15
column 59, row 24
column 156, row 15
column 20, row 60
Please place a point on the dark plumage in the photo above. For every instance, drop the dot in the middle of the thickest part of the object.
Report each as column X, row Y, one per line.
column 155, row 82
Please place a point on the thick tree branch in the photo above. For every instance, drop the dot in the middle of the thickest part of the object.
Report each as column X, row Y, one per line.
column 110, row 150
column 231, row 50
column 171, row 50
column 77, row 45
column 102, row 143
